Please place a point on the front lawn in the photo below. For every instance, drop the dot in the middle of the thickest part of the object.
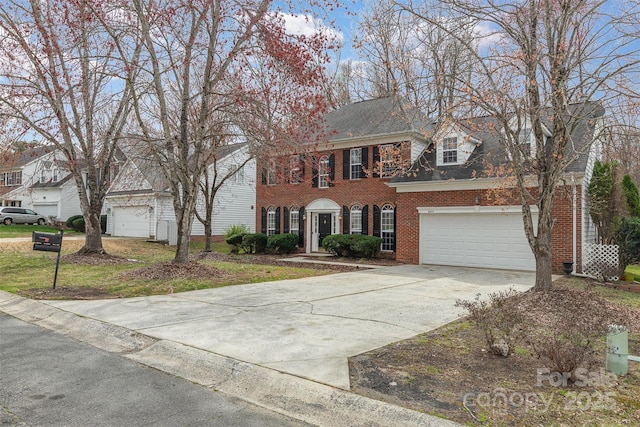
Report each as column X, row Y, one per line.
column 632, row 272
column 136, row 268
column 25, row 230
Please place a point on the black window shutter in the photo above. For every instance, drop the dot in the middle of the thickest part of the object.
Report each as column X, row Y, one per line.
column 365, row 219
column 302, row 166
column 332, row 169
column 277, row 220
column 345, row 219
column 365, row 161
column 264, row 176
column 301, row 227
column 346, row 168
column 395, row 228
column 285, row 224
column 376, row 221
column 376, row 161
column 263, row 226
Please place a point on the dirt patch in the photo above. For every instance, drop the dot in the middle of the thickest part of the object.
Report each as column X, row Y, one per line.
column 94, row 259
column 169, row 270
column 450, row 372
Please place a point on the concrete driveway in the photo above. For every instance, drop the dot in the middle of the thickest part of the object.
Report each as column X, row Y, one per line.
column 306, row 327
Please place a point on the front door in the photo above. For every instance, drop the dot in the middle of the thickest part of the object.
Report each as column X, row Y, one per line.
column 324, row 226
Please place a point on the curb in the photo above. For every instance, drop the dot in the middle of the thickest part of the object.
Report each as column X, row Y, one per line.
column 298, row 398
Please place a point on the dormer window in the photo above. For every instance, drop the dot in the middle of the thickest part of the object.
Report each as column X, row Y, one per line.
column 450, row 151
column 43, row 176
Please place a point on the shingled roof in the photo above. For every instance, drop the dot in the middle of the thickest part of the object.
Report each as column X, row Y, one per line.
column 380, row 116
column 491, row 153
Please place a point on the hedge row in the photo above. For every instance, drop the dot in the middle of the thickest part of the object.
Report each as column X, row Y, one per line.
column 353, row 245
column 257, row 243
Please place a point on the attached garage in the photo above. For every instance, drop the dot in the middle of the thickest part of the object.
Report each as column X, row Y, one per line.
column 485, row 237
column 131, row 221
column 50, row 210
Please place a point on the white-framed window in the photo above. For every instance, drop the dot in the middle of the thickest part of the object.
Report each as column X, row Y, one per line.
column 43, row 176
column 11, row 178
column 296, row 169
column 389, row 155
column 450, row 150
column 355, row 217
column 271, row 221
column 324, row 170
column 355, row 163
column 387, row 227
column 294, row 220
column 54, row 174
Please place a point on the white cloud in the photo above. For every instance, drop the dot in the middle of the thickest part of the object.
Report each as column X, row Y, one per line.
column 306, row 25
column 486, row 36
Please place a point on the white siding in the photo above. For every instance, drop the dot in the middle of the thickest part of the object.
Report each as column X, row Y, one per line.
column 235, row 201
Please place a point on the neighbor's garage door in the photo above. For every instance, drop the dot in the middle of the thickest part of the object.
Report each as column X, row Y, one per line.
column 47, row 210
column 131, row 221
column 486, row 240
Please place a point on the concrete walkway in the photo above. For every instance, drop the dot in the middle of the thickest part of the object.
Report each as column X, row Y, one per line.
column 304, row 328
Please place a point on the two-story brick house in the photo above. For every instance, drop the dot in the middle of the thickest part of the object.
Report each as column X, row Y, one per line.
column 341, row 186
column 431, row 192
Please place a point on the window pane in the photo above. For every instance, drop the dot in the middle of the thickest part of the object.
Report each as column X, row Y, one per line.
column 356, row 163
column 450, row 150
column 294, row 224
column 356, row 220
column 387, row 227
column 323, row 173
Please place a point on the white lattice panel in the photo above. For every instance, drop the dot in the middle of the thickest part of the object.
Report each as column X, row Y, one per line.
column 601, row 261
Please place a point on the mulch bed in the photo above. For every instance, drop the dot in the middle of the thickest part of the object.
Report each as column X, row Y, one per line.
column 434, row 371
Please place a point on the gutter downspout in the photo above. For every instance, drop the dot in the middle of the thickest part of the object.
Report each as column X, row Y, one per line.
column 575, row 223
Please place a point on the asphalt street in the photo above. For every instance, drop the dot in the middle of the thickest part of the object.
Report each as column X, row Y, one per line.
column 48, row 379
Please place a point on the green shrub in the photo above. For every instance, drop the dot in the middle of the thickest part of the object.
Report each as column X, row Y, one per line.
column 103, row 223
column 632, row 196
column 254, row 243
column 283, row 243
column 236, row 229
column 78, row 224
column 235, row 240
column 628, row 239
column 69, row 222
column 353, row 245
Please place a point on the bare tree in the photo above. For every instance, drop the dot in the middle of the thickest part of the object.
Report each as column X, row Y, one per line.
column 547, row 61
column 63, row 81
column 408, row 57
column 199, row 58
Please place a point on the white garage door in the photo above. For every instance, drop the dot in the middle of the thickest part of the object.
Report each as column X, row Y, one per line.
column 47, row 210
column 131, row 221
column 486, row 240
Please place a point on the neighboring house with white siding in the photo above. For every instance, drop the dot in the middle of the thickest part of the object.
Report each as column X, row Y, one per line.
column 37, row 178
column 139, row 203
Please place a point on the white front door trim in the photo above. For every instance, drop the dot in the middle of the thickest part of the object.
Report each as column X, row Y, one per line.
column 312, row 210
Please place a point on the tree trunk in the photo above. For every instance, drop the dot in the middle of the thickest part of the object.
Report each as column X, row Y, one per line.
column 182, row 251
column 93, row 235
column 184, row 237
column 543, row 257
column 208, row 241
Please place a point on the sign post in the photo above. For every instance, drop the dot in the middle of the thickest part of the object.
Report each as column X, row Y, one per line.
column 49, row 243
